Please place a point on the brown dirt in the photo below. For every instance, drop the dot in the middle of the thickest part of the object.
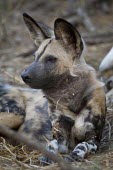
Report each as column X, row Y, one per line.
column 14, row 41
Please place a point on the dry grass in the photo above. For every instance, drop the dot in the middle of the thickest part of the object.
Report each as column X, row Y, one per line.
column 19, row 157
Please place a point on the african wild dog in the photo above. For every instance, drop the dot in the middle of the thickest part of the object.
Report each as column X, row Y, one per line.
column 76, row 98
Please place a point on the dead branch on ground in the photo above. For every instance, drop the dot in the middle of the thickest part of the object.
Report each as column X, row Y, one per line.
column 32, row 144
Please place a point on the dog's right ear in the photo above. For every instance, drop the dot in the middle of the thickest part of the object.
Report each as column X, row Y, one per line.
column 69, row 37
column 38, row 31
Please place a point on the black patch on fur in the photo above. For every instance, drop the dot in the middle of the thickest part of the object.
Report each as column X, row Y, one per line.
column 3, row 91
column 53, row 117
column 82, row 148
column 91, row 143
column 27, row 126
column 72, row 107
column 98, row 122
column 89, row 117
column 41, row 110
column 44, row 131
column 75, row 152
column 86, row 144
column 66, row 122
column 10, row 105
column 45, row 128
column 52, row 106
column 92, row 150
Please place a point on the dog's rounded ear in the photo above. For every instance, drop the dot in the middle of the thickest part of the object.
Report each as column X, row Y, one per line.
column 68, row 36
column 38, row 30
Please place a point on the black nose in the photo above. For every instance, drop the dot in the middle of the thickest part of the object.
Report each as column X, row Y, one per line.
column 25, row 76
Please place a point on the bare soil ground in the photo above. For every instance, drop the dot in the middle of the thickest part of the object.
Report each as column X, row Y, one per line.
column 15, row 41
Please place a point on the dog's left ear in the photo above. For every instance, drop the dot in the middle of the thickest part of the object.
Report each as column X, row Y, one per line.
column 38, row 31
column 68, row 36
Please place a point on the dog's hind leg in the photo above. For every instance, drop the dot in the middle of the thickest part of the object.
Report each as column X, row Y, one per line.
column 12, row 110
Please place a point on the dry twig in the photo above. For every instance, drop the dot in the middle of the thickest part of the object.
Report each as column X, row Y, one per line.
column 32, row 144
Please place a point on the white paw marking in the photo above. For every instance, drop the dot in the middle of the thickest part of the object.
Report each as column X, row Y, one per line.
column 92, row 147
column 80, row 153
column 53, row 146
column 82, row 148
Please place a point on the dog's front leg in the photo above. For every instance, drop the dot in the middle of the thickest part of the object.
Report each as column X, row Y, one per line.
column 88, row 129
column 61, row 127
column 51, row 146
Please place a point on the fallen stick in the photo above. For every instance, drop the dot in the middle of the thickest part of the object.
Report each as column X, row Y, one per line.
column 4, row 130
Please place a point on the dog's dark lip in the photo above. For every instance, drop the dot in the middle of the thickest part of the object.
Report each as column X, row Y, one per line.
column 29, row 83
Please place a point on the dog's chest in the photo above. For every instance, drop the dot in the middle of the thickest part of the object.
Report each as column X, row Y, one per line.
column 62, row 107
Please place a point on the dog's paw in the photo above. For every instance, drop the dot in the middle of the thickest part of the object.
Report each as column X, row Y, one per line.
column 52, row 146
column 72, row 157
column 81, row 150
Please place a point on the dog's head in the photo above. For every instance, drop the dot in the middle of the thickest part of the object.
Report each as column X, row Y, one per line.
column 57, row 51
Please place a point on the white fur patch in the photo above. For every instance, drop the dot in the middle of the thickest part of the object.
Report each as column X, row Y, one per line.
column 53, row 146
column 92, row 147
column 80, row 153
column 81, row 126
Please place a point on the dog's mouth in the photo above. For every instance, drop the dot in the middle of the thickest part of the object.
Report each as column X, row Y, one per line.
column 32, row 83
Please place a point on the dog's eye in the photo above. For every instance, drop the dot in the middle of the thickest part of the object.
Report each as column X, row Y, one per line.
column 50, row 59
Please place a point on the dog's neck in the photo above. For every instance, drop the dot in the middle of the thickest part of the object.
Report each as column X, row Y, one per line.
column 62, row 83
column 67, row 88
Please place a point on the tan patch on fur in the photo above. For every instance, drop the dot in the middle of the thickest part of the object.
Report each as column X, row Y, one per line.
column 98, row 102
column 11, row 120
column 65, row 60
column 107, row 73
column 15, row 94
column 81, row 127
